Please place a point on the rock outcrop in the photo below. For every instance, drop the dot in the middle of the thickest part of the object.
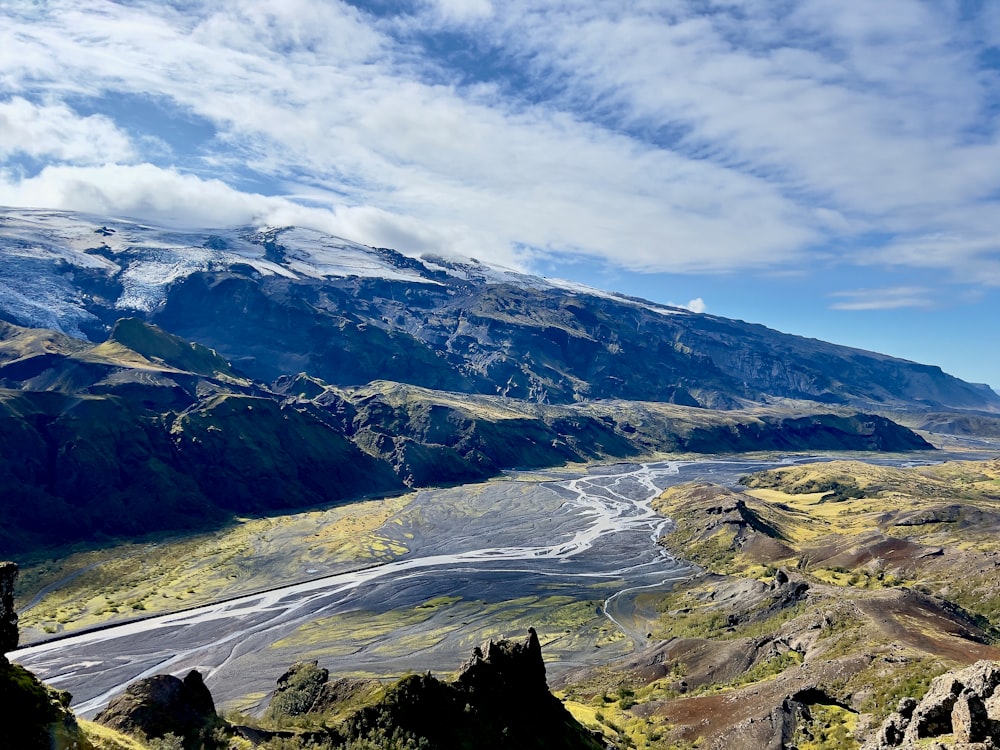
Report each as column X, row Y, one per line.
column 306, row 688
column 163, row 704
column 33, row 716
column 506, row 667
column 500, row 700
column 958, row 708
column 8, row 617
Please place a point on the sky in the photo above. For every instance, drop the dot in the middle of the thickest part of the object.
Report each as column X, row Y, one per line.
column 829, row 168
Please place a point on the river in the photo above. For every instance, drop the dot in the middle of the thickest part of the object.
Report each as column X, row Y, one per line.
column 555, row 549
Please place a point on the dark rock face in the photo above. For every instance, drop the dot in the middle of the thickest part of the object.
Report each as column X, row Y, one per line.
column 8, row 617
column 162, row 704
column 957, row 703
column 863, row 432
column 506, row 667
column 547, row 345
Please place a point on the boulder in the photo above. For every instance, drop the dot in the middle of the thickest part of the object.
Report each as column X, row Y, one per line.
column 969, row 720
column 163, row 704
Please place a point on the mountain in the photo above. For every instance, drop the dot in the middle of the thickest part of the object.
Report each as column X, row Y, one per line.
column 146, row 432
column 153, row 379
column 279, row 301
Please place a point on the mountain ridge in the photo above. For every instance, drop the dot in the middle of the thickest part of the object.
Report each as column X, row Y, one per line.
column 277, row 301
column 121, row 443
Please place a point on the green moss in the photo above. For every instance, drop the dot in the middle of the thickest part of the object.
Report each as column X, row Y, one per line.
column 36, row 715
column 888, row 682
column 828, row 727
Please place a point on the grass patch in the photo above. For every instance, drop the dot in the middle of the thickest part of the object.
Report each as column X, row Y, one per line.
column 104, row 738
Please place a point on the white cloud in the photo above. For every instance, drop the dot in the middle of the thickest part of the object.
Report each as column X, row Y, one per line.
column 480, row 178
column 661, row 135
column 54, row 131
column 462, row 10
column 697, row 305
column 893, row 298
column 161, row 195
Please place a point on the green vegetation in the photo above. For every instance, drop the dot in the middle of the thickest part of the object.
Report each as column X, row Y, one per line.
column 827, row 727
column 885, row 576
column 895, row 680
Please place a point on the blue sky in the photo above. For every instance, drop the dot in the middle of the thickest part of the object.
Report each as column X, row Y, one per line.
column 829, row 168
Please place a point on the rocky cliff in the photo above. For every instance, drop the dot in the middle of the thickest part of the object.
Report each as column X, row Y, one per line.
column 33, row 716
column 958, row 712
column 500, row 700
column 8, row 616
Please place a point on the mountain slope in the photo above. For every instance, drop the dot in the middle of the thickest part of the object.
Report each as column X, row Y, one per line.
column 146, row 432
column 278, row 301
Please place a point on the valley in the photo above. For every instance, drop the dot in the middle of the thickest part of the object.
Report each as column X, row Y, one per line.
column 423, row 579
column 236, row 450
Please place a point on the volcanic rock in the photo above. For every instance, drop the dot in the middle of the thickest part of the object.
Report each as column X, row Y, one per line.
column 957, row 704
column 505, row 667
column 160, row 705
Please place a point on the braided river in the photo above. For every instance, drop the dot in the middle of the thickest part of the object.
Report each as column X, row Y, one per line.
column 563, row 550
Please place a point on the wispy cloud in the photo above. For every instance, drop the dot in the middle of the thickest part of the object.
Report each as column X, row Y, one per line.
column 893, row 298
column 679, row 136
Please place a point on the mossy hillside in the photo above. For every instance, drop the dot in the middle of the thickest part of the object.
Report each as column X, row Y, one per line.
column 856, row 634
column 104, row 466
column 250, row 453
column 914, row 527
column 91, row 466
column 34, row 715
column 488, row 434
column 160, row 347
column 20, row 345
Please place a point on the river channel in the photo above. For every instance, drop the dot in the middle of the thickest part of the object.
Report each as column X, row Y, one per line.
column 558, row 550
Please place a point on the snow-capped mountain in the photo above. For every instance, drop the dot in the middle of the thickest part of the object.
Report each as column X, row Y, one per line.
column 146, row 260
column 152, row 378
column 276, row 301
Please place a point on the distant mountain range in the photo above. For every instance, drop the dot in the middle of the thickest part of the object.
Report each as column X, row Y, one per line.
column 155, row 379
column 278, row 301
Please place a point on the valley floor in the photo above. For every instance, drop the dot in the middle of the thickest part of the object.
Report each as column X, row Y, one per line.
column 411, row 584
